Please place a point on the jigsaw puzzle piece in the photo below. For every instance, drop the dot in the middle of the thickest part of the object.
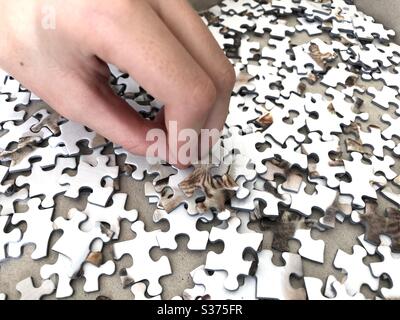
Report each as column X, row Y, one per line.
column 50, row 186
column 273, row 282
column 144, row 267
column 7, row 237
column 93, row 273
column 181, row 223
column 38, row 231
column 357, row 272
column 91, row 177
column 211, row 287
column 29, row 292
column 231, row 259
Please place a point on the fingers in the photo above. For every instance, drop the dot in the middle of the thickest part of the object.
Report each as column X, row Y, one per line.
column 145, row 47
column 91, row 102
column 190, row 30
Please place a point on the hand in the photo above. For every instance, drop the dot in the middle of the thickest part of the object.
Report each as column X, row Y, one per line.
column 164, row 45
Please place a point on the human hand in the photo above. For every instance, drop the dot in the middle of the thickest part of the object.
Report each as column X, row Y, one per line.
column 164, row 45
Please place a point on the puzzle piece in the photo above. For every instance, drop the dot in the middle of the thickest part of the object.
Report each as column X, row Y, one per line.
column 243, row 112
column 211, row 287
column 377, row 224
column 139, row 291
column 312, row 28
column 112, row 215
column 325, row 168
column 39, row 229
column 311, row 249
column 75, row 243
column 140, row 163
column 7, row 111
column 391, row 79
column 280, row 129
column 64, row 269
column 50, row 186
column 144, row 267
column 291, row 83
column 247, row 48
column 385, row 97
column 8, row 199
column 7, row 237
column 338, row 75
column 384, row 166
column 365, row 28
column 389, row 266
column 303, row 203
column 363, row 179
column 373, row 138
column 71, row 133
column 237, row 23
column 92, row 274
column 29, row 292
column 394, row 129
column 271, row 200
column 314, row 290
column 13, row 133
column 277, row 51
column 273, row 282
column 289, row 153
column 180, row 222
column 238, row 6
column 357, row 272
column 277, row 28
column 324, row 118
column 235, row 245
column 91, row 176
column 21, row 158
column 370, row 57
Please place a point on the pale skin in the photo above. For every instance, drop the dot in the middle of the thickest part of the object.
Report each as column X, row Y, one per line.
column 163, row 44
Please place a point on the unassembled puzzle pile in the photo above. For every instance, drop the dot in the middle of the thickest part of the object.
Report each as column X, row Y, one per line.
column 313, row 139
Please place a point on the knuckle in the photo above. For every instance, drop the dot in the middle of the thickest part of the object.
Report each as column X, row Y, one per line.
column 204, row 93
column 227, row 78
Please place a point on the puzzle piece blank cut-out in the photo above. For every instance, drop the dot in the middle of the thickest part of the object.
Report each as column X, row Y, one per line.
column 385, row 98
column 144, row 267
column 231, row 259
column 7, row 237
column 112, row 215
column 273, row 282
column 211, row 287
column 92, row 274
column 362, row 180
column 49, row 186
column 314, row 290
column 181, row 223
column 38, row 231
column 7, row 110
column 394, row 128
column 72, row 133
column 357, row 272
column 374, row 139
column 75, row 243
column 91, row 177
column 139, row 292
column 64, row 270
column 389, row 266
column 325, row 168
column 29, row 292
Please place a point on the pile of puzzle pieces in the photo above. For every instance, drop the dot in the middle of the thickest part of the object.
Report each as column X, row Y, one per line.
column 311, row 142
